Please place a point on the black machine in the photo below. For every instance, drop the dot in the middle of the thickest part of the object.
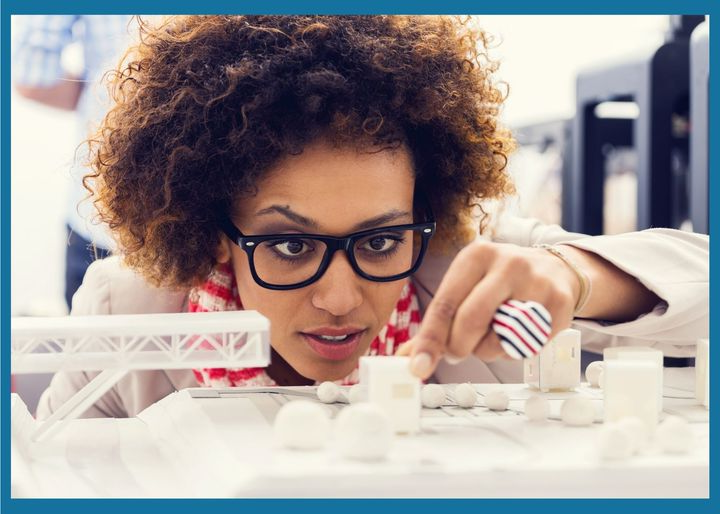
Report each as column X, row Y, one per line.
column 668, row 135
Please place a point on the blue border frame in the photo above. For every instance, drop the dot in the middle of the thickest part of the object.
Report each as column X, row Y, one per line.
column 360, row 7
column 10, row 7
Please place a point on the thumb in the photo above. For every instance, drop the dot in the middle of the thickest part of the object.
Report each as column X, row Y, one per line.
column 405, row 349
column 422, row 362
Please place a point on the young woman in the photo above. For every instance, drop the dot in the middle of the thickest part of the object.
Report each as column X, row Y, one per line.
column 330, row 173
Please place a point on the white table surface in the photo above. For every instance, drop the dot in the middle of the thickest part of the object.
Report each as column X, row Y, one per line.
column 188, row 446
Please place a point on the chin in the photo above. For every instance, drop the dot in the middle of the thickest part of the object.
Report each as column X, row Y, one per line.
column 325, row 371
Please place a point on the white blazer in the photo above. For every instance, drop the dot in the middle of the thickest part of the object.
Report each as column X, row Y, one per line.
column 671, row 263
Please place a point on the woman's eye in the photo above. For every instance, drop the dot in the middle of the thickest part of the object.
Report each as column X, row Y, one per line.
column 380, row 244
column 291, row 248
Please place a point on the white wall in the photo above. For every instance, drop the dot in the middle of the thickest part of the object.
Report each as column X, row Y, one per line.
column 541, row 55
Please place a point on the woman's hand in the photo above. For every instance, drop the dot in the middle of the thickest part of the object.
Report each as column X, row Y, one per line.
column 457, row 322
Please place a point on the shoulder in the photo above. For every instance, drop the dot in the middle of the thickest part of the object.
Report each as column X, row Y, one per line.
column 529, row 231
column 110, row 287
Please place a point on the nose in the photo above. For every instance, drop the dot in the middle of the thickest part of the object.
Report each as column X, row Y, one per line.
column 338, row 290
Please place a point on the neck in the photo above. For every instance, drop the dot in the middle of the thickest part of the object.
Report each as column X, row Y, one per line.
column 283, row 373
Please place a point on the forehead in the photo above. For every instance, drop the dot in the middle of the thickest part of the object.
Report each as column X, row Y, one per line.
column 337, row 186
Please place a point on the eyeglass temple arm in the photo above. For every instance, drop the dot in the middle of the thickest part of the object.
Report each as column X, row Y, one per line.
column 229, row 228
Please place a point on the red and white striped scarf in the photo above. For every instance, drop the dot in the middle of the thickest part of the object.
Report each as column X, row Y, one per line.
column 220, row 293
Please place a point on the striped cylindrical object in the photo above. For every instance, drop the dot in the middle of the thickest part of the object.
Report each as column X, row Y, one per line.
column 523, row 327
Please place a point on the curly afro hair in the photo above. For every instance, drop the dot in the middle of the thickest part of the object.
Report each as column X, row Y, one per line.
column 205, row 105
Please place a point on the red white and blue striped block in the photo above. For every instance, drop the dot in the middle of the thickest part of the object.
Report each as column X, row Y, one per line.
column 523, row 328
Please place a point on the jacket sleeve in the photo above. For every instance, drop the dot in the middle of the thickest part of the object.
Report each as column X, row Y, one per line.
column 93, row 297
column 109, row 287
column 671, row 263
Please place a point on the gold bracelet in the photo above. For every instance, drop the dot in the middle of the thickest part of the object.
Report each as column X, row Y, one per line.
column 585, row 285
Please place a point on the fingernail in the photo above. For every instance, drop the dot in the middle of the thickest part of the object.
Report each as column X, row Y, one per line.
column 421, row 365
column 450, row 359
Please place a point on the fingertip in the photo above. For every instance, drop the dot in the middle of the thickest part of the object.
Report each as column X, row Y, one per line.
column 452, row 360
column 421, row 365
column 404, row 350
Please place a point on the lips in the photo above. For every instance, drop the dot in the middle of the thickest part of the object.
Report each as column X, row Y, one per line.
column 334, row 343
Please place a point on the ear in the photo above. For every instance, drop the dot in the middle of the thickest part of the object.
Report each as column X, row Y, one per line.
column 222, row 254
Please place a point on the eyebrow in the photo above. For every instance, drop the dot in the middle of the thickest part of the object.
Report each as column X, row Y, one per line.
column 377, row 221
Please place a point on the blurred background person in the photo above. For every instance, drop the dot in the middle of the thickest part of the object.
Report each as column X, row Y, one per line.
column 59, row 62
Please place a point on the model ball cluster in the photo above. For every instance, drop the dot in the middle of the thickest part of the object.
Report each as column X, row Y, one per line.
column 302, row 425
column 432, row 396
column 329, row 392
column 465, row 396
column 537, row 408
column 497, row 400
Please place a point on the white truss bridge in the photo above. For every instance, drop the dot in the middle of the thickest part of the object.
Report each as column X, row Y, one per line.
column 116, row 344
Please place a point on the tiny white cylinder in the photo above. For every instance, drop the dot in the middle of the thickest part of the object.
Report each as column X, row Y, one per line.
column 639, row 353
column 557, row 366
column 392, row 387
column 630, row 389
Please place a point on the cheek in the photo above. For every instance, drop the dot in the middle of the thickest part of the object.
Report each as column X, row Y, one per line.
column 280, row 307
column 245, row 283
column 384, row 297
column 272, row 304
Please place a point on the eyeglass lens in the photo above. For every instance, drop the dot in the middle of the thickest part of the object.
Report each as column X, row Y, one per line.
column 291, row 260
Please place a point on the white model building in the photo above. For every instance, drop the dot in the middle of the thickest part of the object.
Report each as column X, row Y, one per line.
column 557, row 366
column 630, row 389
column 392, row 386
column 639, row 353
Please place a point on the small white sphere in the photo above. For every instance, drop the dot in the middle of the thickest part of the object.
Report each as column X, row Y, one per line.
column 592, row 373
column 432, row 396
column 615, row 442
column 601, row 379
column 674, row 420
column 358, row 393
column 497, row 400
column 302, row 425
column 363, row 431
column 328, row 392
column 465, row 396
column 637, row 430
column 537, row 408
column 674, row 435
column 577, row 412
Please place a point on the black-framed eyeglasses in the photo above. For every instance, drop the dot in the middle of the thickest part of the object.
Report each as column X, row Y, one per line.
column 292, row 261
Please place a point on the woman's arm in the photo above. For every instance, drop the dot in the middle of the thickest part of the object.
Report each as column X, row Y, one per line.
column 650, row 285
column 614, row 295
column 673, row 265
column 93, row 297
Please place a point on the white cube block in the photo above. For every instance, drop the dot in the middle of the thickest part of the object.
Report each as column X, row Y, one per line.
column 557, row 366
column 630, row 389
column 393, row 388
column 702, row 372
column 639, row 353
